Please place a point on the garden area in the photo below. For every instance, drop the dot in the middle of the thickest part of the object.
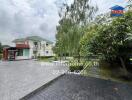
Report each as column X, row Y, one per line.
column 47, row 59
column 99, row 45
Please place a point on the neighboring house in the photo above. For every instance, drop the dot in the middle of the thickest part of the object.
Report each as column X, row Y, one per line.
column 28, row 48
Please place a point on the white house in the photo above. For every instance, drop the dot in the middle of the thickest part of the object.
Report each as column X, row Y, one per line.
column 28, row 48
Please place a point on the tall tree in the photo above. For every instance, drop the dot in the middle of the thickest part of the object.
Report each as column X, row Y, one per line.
column 129, row 5
column 71, row 26
column 81, row 12
column 103, row 19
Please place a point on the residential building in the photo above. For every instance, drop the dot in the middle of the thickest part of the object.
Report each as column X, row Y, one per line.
column 28, row 48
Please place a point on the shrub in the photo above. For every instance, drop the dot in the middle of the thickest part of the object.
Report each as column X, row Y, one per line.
column 76, row 67
column 112, row 41
column 46, row 58
column 55, row 58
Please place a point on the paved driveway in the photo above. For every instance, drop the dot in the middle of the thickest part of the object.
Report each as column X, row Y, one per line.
column 18, row 78
column 76, row 87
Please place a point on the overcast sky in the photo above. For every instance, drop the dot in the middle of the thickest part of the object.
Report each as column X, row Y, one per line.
column 21, row 18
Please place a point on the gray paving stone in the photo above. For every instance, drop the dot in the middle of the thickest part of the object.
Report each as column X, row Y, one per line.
column 76, row 87
column 19, row 78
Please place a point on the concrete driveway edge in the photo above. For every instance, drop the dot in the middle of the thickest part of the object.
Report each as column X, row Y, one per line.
column 41, row 87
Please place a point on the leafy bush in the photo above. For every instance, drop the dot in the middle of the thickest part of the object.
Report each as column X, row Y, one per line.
column 46, row 58
column 111, row 40
column 76, row 67
column 55, row 58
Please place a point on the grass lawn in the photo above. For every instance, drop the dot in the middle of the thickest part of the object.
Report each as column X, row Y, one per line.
column 46, row 59
column 104, row 72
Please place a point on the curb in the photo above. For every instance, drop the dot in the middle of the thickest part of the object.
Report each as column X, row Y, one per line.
column 40, row 88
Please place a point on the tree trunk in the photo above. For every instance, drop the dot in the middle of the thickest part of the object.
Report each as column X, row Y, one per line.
column 65, row 56
column 79, row 56
column 60, row 56
column 124, row 66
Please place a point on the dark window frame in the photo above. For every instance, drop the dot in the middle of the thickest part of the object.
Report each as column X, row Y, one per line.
column 20, row 52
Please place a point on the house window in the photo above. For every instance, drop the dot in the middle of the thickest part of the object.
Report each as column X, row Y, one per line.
column 47, row 44
column 35, row 46
column 47, row 52
column 20, row 52
column 35, row 43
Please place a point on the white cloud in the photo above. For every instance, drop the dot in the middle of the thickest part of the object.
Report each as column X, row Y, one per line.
column 20, row 18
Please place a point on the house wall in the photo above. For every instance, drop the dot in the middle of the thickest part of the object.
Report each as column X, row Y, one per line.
column 42, row 50
column 31, row 45
column 46, row 50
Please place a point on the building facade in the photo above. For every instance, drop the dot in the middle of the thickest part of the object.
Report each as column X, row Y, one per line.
column 28, row 48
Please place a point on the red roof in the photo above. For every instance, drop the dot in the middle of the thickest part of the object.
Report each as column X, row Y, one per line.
column 22, row 46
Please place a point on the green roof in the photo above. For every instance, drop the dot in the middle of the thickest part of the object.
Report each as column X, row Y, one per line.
column 33, row 38
column 19, row 40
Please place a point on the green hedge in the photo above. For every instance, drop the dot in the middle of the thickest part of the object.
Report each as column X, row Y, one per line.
column 76, row 67
column 46, row 59
column 56, row 58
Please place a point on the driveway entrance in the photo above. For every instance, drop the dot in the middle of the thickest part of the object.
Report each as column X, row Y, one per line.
column 19, row 78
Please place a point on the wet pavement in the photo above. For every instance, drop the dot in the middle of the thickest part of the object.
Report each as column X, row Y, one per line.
column 19, row 78
column 76, row 87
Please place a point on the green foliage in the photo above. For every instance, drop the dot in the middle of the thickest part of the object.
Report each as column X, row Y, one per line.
column 43, row 57
column 46, row 58
column 110, row 40
column 0, row 56
column 55, row 58
column 90, row 32
column 75, row 66
column 129, row 6
column 1, row 48
column 71, row 27
column 81, row 12
column 103, row 19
